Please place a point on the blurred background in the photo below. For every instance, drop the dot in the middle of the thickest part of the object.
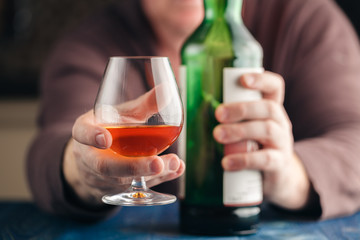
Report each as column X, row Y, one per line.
column 28, row 29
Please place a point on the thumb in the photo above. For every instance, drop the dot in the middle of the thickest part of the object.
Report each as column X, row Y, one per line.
column 85, row 131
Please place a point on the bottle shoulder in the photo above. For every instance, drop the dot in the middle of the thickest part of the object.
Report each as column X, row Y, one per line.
column 210, row 38
column 225, row 40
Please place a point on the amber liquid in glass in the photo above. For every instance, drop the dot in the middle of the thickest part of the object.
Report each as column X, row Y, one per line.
column 144, row 140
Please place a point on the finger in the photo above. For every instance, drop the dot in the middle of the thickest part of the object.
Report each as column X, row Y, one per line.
column 266, row 132
column 147, row 104
column 114, row 165
column 264, row 109
column 111, row 164
column 158, row 179
column 263, row 160
column 140, row 108
column 85, row 131
column 271, row 85
column 171, row 163
column 106, row 184
column 240, row 147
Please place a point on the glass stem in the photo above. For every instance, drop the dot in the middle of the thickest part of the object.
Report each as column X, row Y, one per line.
column 138, row 184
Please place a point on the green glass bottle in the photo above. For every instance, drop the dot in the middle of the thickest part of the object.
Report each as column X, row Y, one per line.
column 215, row 55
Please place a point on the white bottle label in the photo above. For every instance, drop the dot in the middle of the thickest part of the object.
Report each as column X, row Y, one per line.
column 241, row 188
column 182, row 137
column 232, row 91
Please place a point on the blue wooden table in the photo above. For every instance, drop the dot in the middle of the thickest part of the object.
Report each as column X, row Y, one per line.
column 23, row 220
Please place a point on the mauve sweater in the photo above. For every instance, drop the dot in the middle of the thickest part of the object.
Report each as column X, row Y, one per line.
column 310, row 43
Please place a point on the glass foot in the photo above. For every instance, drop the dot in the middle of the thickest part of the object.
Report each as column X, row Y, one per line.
column 139, row 198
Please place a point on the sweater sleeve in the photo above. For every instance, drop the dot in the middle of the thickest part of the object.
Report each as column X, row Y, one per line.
column 69, row 87
column 314, row 47
column 323, row 102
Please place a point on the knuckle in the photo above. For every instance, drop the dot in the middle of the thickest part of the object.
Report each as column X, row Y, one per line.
column 268, row 159
column 270, row 129
column 159, row 179
column 237, row 130
column 245, row 161
column 102, row 167
column 290, row 125
column 131, row 169
column 75, row 128
column 124, row 180
column 240, row 110
column 73, row 131
column 272, row 108
column 280, row 78
column 280, row 85
column 80, row 131
column 163, row 178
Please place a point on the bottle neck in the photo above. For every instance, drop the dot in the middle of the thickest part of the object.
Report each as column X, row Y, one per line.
column 247, row 51
column 223, row 9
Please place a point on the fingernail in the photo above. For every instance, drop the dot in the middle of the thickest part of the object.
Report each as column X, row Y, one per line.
column 222, row 114
column 174, row 165
column 231, row 164
column 227, row 163
column 100, row 140
column 154, row 166
column 220, row 134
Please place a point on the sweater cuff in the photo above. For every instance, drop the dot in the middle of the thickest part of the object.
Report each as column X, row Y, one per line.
column 319, row 156
column 50, row 190
column 72, row 205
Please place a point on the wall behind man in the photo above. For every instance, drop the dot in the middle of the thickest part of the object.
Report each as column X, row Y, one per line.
column 352, row 10
column 28, row 30
column 17, row 128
